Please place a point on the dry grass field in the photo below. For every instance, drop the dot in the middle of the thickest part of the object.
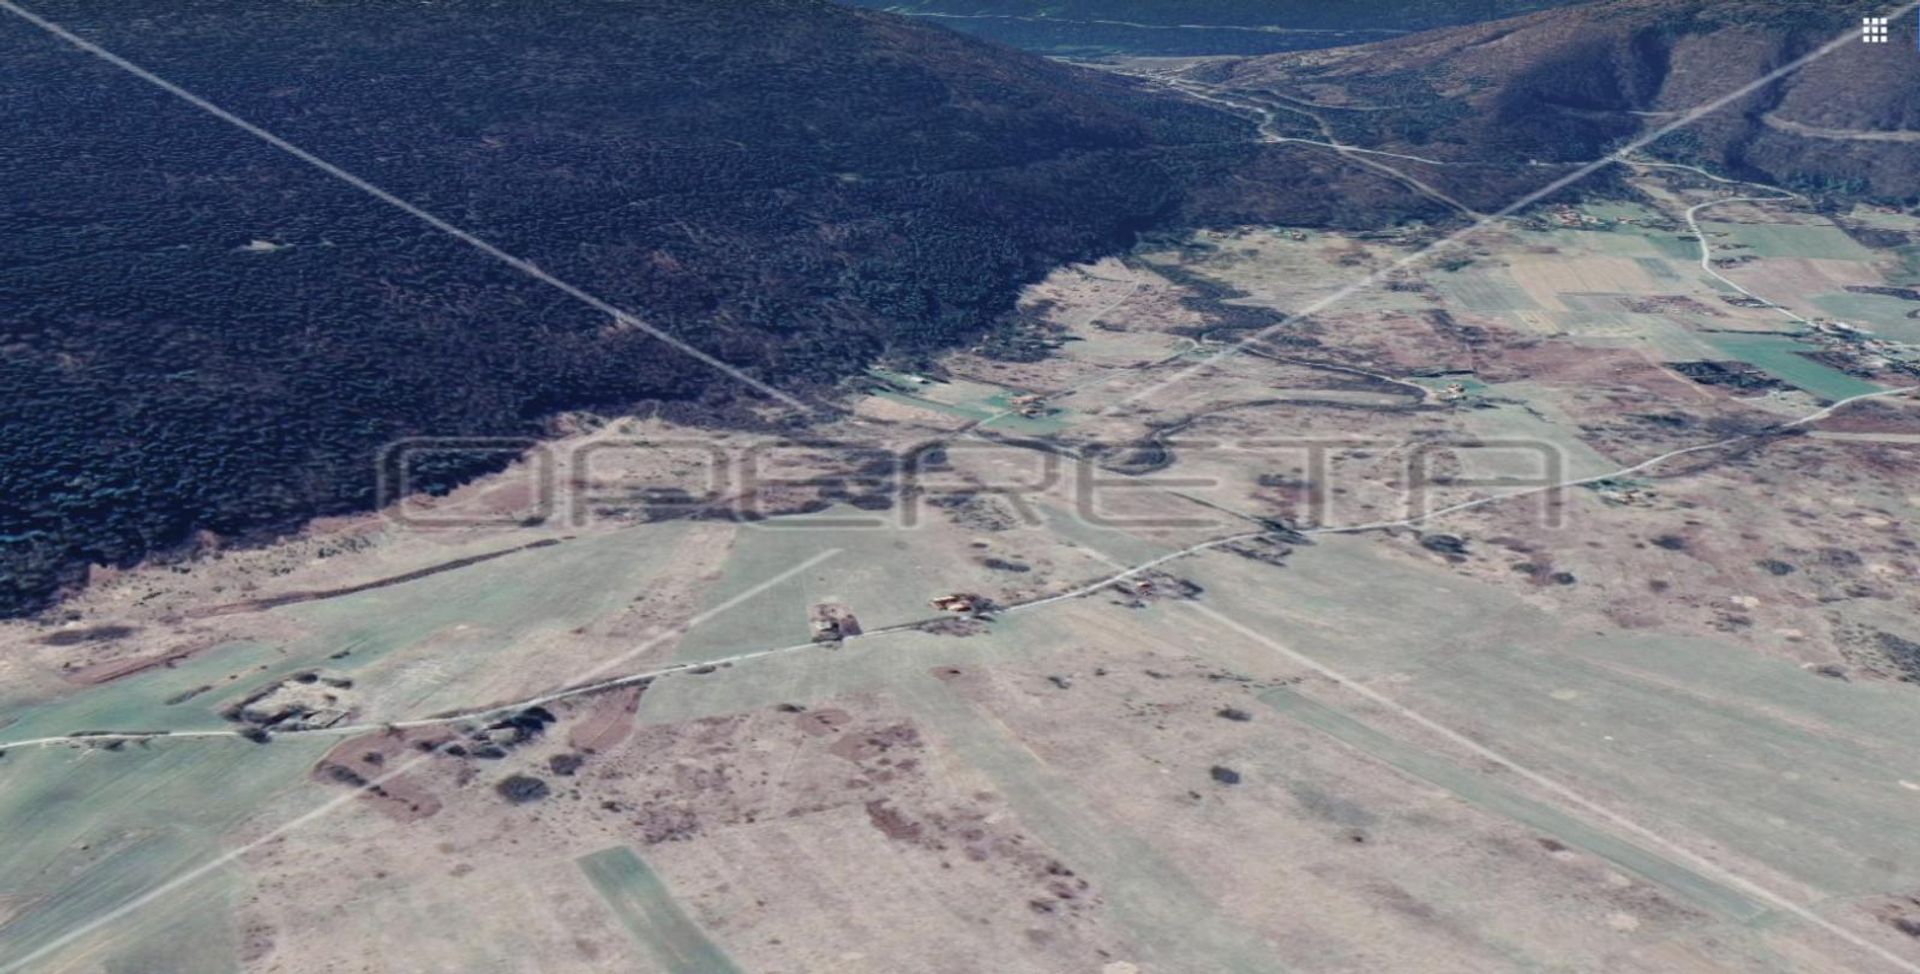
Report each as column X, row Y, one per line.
column 1258, row 666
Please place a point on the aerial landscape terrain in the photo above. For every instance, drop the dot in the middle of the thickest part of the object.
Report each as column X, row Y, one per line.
column 790, row 487
column 1093, row 28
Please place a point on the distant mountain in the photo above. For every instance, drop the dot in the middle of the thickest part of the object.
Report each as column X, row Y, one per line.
column 200, row 333
column 1198, row 27
column 1570, row 84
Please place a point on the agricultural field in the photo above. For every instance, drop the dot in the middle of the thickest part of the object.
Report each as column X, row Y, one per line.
column 1308, row 608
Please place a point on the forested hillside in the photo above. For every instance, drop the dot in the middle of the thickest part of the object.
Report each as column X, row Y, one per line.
column 1572, row 84
column 202, row 333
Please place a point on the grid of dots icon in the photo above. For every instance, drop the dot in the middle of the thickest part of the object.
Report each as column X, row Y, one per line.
column 1873, row 30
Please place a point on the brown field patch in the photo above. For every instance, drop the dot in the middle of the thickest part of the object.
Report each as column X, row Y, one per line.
column 1546, row 279
column 359, row 762
column 607, row 722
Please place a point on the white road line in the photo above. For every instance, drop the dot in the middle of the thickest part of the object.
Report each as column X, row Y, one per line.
column 575, row 689
column 1456, row 238
column 1620, row 821
column 1080, row 591
column 123, row 737
column 1706, row 249
column 1812, row 417
column 1075, row 593
column 186, row 878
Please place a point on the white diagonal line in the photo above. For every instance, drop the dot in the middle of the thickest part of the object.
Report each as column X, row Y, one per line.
column 1642, row 833
column 1454, row 239
column 621, row 317
column 1617, row 474
column 328, row 807
column 1566, row 794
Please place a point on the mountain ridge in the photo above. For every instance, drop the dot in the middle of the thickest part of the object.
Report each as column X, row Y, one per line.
column 1571, row 83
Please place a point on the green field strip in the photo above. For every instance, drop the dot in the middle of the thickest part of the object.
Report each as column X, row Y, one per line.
column 1784, row 240
column 1658, row 268
column 467, row 619
column 1781, row 357
column 1477, row 790
column 825, row 673
column 1884, row 316
column 92, row 830
column 977, row 401
column 882, row 577
column 138, row 702
column 646, row 907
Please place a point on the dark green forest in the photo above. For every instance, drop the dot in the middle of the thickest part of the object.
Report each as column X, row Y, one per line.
column 797, row 188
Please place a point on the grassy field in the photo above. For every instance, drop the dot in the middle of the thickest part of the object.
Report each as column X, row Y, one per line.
column 1476, row 789
column 1591, row 732
column 93, row 829
column 1660, row 726
column 1783, row 359
column 1788, row 240
column 647, row 908
column 1885, row 316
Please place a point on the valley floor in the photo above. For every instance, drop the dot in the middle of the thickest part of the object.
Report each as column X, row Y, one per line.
column 1320, row 610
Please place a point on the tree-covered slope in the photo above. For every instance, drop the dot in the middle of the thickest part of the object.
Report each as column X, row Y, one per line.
column 199, row 332
column 1571, row 84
